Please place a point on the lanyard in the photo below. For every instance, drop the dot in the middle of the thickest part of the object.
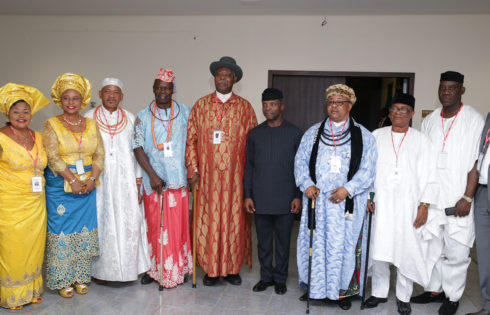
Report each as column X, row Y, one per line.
column 450, row 126
column 168, row 129
column 487, row 138
column 399, row 146
column 74, row 135
column 220, row 111
column 333, row 137
column 109, row 127
column 34, row 160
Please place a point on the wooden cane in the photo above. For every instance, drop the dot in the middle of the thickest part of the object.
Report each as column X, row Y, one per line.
column 311, row 229
column 364, row 282
column 194, row 237
column 160, row 274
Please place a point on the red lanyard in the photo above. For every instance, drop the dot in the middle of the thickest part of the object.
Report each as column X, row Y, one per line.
column 219, row 111
column 487, row 138
column 109, row 127
column 74, row 135
column 34, row 160
column 333, row 137
column 450, row 126
column 169, row 129
column 399, row 146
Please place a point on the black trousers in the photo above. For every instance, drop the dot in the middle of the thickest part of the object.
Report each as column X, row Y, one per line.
column 270, row 227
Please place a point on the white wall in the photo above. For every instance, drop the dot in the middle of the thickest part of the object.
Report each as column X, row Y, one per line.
column 36, row 49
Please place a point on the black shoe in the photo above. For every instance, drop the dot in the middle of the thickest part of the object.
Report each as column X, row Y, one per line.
column 209, row 281
column 344, row 303
column 262, row 285
column 427, row 297
column 146, row 279
column 304, row 297
column 448, row 307
column 480, row 312
column 373, row 301
column 234, row 279
column 280, row 288
column 404, row 308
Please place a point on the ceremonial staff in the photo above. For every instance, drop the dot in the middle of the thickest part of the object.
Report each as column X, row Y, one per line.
column 311, row 229
column 160, row 273
column 364, row 281
column 194, row 224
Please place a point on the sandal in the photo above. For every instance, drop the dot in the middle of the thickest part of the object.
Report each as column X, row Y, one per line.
column 66, row 292
column 37, row 300
column 16, row 308
column 81, row 288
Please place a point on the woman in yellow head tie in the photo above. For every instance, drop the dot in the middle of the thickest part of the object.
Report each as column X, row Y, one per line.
column 75, row 159
column 22, row 198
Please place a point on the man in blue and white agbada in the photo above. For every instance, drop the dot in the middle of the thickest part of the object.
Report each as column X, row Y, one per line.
column 335, row 166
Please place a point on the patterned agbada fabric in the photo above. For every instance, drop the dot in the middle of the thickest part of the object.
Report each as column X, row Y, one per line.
column 22, row 223
column 120, row 219
column 72, row 239
column 177, row 255
column 338, row 243
column 175, row 240
column 223, row 228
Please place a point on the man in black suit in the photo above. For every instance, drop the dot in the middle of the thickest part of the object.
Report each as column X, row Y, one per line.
column 482, row 218
column 270, row 191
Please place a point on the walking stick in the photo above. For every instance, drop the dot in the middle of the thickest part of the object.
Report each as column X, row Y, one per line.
column 311, row 229
column 364, row 281
column 160, row 274
column 194, row 237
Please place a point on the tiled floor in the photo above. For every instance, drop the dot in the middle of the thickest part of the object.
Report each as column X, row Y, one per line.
column 134, row 298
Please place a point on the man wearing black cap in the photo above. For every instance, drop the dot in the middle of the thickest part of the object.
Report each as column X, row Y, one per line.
column 404, row 188
column 454, row 131
column 269, row 189
column 215, row 157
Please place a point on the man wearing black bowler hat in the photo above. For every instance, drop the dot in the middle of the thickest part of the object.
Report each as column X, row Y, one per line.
column 270, row 191
column 215, row 157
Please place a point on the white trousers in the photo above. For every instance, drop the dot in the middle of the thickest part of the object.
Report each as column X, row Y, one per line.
column 449, row 273
column 381, row 282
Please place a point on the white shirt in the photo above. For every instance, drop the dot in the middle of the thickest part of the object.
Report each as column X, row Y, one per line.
column 223, row 97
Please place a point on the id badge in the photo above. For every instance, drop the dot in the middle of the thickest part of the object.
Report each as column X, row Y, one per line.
column 396, row 175
column 335, row 163
column 37, row 184
column 79, row 167
column 442, row 160
column 480, row 161
column 217, row 136
column 167, row 149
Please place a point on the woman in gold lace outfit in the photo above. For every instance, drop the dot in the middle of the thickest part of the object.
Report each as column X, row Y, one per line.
column 75, row 158
column 22, row 199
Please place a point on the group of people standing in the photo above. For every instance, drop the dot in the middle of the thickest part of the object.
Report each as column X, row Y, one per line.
column 77, row 191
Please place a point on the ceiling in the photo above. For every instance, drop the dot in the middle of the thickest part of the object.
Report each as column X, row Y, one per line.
column 243, row 7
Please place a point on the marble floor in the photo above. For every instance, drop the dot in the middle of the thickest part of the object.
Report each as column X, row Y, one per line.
column 134, row 298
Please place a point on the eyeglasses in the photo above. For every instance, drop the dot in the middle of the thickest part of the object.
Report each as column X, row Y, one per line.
column 402, row 110
column 337, row 103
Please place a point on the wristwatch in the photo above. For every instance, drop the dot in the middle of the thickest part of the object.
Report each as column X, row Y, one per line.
column 93, row 179
column 467, row 198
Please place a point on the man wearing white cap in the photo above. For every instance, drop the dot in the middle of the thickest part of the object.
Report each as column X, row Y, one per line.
column 122, row 230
